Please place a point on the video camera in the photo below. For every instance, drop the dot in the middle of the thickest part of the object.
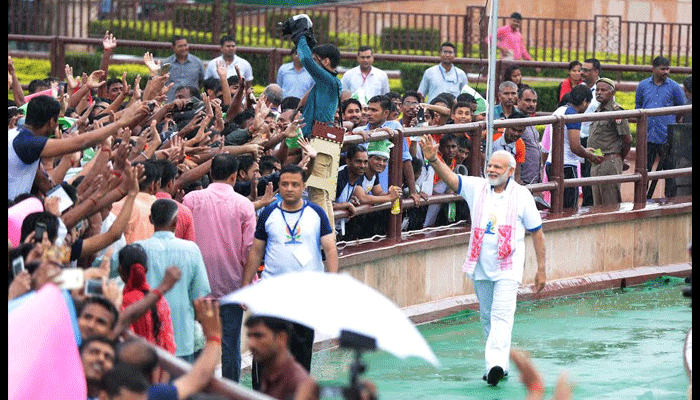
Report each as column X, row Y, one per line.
column 358, row 343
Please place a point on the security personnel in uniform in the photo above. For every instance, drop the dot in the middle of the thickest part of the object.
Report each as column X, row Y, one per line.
column 614, row 140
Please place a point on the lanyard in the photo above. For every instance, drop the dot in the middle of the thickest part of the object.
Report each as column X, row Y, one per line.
column 442, row 71
column 292, row 231
column 351, row 191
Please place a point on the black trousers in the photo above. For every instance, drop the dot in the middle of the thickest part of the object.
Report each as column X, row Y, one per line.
column 656, row 148
column 586, row 173
column 301, row 343
column 571, row 193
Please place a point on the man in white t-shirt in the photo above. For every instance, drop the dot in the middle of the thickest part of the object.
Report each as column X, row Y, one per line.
column 372, row 80
column 501, row 212
column 288, row 238
column 229, row 57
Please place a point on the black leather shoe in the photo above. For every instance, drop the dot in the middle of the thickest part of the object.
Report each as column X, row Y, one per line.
column 494, row 376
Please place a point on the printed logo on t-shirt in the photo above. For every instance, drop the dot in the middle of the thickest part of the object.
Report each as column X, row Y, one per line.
column 293, row 237
column 491, row 225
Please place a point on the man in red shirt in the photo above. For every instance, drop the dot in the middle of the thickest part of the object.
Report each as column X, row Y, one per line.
column 165, row 190
column 281, row 374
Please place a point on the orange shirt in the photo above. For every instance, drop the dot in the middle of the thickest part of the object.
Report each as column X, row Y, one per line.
column 453, row 164
column 139, row 226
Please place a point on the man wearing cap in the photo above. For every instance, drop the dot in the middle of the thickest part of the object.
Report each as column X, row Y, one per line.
column 379, row 108
column 614, row 140
column 369, row 191
column 510, row 40
column 480, row 111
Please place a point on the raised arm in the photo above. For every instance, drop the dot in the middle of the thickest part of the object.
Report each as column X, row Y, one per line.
column 17, row 91
column 96, row 243
column 207, row 313
column 135, row 311
column 109, row 42
column 57, row 147
column 429, row 148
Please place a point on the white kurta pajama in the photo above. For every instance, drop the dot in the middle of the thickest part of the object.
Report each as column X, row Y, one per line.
column 497, row 277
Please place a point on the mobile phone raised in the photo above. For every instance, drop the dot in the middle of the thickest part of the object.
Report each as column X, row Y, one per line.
column 93, row 287
column 71, row 278
column 17, row 266
column 39, row 230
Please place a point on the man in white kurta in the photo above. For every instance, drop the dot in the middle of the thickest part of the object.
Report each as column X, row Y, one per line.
column 502, row 210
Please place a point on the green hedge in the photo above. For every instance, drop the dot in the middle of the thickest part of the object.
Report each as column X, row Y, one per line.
column 410, row 38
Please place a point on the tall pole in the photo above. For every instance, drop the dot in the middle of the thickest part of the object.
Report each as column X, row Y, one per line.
column 491, row 89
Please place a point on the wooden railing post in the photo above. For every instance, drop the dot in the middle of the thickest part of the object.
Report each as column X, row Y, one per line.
column 557, row 167
column 640, row 166
column 58, row 57
column 274, row 58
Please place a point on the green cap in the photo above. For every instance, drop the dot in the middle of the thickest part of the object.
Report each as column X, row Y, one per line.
column 66, row 122
column 380, row 148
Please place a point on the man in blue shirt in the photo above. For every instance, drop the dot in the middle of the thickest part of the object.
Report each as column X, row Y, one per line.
column 185, row 69
column 163, row 250
column 444, row 77
column 293, row 78
column 656, row 92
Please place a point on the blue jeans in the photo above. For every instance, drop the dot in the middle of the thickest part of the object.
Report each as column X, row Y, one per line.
column 231, row 320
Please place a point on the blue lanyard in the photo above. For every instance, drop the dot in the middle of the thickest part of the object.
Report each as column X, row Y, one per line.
column 292, row 231
column 444, row 78
column 351, row 191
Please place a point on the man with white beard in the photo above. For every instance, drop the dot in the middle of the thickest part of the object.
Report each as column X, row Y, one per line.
column 501, row 212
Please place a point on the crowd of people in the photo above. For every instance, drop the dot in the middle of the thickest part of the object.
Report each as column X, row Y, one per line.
column 173, row 195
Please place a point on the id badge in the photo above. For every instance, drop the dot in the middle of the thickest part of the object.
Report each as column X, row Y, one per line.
column 302, row 255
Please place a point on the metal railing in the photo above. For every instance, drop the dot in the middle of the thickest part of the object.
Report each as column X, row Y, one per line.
column 350, row 26
column 556, row 185
column 640, row 177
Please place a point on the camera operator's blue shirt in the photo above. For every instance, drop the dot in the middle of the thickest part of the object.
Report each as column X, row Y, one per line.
column 322, row 103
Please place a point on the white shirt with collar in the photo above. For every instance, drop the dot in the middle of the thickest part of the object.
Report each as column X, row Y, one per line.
column 586, row 125
column 374, row 84
column 243, row 65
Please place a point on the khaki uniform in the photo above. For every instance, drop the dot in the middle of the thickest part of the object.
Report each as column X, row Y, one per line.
column 608, row 135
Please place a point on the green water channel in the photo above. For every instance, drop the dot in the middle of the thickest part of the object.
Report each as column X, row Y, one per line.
column 614, row 344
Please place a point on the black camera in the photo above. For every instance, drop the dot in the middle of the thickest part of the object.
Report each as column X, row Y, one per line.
column 296, row 27
column 358, row 343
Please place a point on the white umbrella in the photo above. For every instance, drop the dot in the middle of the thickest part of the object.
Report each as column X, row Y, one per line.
column 329, row 303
